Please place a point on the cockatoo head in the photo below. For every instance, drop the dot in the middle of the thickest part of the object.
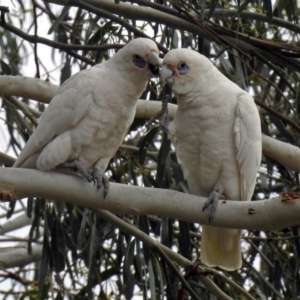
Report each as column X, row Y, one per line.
column 140, row 57
column 182, row 70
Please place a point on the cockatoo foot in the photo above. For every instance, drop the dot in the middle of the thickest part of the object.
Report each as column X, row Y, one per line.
column 163, row 115
column 212, row 201
column 97, row 176
column 163, row 118
column 76, row 165
column 100, row 180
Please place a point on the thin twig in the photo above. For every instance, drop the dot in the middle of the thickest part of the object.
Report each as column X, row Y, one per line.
column 278, row 114
column 36, row 59
column 265, row 281
column 128, row 228
column 58, row 45
column 175, row 270
column 105, row 14
column 229, row 281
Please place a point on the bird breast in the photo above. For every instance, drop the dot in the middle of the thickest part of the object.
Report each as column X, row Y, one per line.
column 100, row 133
column 204, row 143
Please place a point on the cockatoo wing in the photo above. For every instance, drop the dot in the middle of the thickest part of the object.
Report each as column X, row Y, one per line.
column 69, row 105
column 83, row 116
column 247, row 133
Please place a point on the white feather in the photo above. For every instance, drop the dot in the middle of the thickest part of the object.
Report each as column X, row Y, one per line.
column 91, row 112
column 217, row 136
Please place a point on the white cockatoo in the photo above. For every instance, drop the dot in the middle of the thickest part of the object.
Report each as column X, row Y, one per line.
column 217, row 137
column 90, row 114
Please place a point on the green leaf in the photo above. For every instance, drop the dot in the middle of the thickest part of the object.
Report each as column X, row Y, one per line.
column 212, row 7
column 242, row 7
column 97, row 36
column 159, row 278
column 163, row 156
column 240, row 79
column 146, row 141
column 120, row 248
column 92, row 241
column 29, row 207
column 65, row 72
column 108, row 273
column 128, row 277
column 44, row 265
column 268, row 8
column 152, row 276
column 58, row 247
column 60, row 18
column 5, row 68
column 81, row 235
column 11, row 210
column 59, row 296
column 166, row 232
column 184, row 239
column 144, row 226
column 128, row 261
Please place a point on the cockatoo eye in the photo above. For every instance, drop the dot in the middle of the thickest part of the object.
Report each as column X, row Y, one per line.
column 139, row 61
column 182, row 67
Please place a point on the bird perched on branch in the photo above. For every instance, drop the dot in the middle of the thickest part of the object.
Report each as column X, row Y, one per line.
column 90, row 114
column 217, row 137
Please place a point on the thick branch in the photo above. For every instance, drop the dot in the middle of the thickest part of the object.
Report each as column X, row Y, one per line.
column 18, row 257
column 269, row 214
column 15, row 223
column 286, row 154
column 6, row 159
column 32, row 88
column 43, row 91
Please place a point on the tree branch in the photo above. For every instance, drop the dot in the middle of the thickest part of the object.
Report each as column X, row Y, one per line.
column 286, row 154
column 19, row 256
column 32, row 88
column 239, row 41
column 57, row 45
column 35, row 39
column 270, row 214
column 43, row 91
column 278, row 114
column 15, row 223
column 152, row 243
column 6, row 159
column 154, row 15
column 105, row 14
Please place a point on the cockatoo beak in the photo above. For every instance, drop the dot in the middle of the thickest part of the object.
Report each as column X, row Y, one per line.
column 154, row 64
column 167, row 75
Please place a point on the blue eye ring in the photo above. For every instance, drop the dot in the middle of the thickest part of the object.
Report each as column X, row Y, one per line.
column 138, row 61
column 182, row 68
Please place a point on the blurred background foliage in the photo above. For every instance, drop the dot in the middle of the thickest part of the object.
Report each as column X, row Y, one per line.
column 254, row 43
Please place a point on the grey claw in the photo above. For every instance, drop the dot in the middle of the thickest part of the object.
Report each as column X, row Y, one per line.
column 212, row 201
column 162, row 115
column 76, row 165
column 164, row 122
column 106, row 186
column 97, row 176
column 101, row 180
